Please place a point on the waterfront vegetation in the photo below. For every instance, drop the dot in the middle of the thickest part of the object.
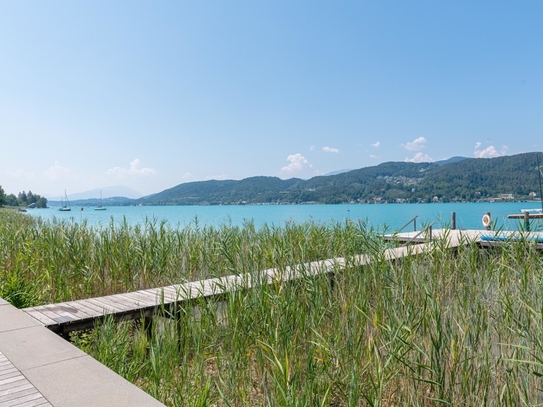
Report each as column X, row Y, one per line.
column 447, row 327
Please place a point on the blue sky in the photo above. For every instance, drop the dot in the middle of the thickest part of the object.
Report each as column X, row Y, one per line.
column 153, row 94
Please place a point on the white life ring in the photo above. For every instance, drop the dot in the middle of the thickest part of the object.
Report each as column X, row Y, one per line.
column 486, row 220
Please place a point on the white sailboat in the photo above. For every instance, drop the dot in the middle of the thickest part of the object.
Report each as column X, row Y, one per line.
column 100, row 207
column 65, row 203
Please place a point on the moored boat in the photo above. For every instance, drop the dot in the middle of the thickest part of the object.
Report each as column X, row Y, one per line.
column 65, row 204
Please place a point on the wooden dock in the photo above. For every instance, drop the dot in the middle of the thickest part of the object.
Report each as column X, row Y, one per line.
column 65, row 317
column 38, row 366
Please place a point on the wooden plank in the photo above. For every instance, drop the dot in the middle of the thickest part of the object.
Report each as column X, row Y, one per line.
column 108, row 307
column 170, row 294
column 15, row 389
column 58, row 319
column 11, row 382
column 40, row 317
column 18, row 386
column 124, row 301
column 17, row 398
column 192, row 290
column 72, row 313
column 13, row 372
column 141, row 299
column 35, row 403
column 150, row 295
column 92, row 308
column 88, row 309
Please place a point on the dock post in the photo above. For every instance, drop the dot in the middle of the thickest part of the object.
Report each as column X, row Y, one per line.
column 526, row 221
column 453, row 220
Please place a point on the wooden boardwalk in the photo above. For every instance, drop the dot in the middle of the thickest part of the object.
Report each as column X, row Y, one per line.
column 15, row 389
column 483, row 238
column 65, row 317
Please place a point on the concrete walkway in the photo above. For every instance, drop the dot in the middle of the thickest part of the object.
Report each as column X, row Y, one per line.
column 39, row 368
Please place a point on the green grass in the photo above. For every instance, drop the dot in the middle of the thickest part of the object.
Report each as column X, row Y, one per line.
column 458, row 328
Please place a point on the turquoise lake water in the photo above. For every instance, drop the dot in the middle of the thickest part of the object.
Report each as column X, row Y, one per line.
column 393, row 216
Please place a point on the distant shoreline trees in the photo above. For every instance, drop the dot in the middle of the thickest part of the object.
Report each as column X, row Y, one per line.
column 23, row 199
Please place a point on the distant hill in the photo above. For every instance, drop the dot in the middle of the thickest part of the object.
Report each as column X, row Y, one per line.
column 455, row 179
column 111, row 201
column 111, row 196
column 450, row 160
column 248, row 190
column 336, row 172
column 107, row 192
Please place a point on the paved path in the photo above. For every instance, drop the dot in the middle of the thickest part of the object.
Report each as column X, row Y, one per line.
column 39, row 368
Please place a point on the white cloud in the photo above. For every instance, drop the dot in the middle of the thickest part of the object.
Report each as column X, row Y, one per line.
column 219, row 177
column 311, row 148
column 415, row 145
column 187, row 176
column 330, row 150
column 419, row 158
column 20, row 174
column 374, row 156
column 43, row 182
column 376, row 145
column 297, row 163
column 488, row 152
column 133, row 171
column 54, row 173
column 57, row 172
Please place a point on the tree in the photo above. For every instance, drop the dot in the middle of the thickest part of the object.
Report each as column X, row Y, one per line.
column 11, row 200
column 41, row 202
column 22, row 198
column 31, row 198
column 2, row 196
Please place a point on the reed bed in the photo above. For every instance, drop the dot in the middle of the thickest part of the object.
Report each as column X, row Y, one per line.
column 45, row 262
column 443, row 328
column 459, row 328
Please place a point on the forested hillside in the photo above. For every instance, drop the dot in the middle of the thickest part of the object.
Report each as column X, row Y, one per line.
column 470, row 179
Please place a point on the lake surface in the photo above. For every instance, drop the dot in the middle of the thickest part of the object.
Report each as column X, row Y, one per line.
column 393, row 216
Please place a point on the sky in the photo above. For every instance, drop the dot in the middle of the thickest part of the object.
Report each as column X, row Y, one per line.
column 150, row 95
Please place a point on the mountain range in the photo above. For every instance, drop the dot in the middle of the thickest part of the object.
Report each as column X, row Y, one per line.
column 458, row 179
column 106, row 192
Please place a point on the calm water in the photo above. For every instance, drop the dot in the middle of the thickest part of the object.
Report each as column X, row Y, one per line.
column 393, row 216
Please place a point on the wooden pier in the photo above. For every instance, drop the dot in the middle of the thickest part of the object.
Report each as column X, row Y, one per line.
column 65, row 317
column 39, row 368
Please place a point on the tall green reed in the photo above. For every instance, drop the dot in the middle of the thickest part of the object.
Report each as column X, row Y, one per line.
column 445, row 327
